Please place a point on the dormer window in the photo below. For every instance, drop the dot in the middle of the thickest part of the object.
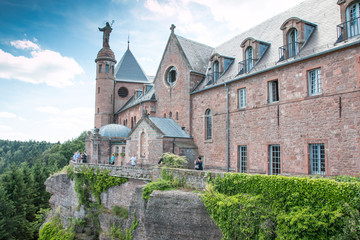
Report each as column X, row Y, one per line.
column 216, row 72
column 253, row 51
column 350, row 17
column 293, row 44
column 249, row 59
column 218, row 65
column 296, row 33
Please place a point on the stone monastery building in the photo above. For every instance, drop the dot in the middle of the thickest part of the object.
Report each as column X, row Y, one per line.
column 280, row 98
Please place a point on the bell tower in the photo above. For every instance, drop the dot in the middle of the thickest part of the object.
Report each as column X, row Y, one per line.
column 105, row 81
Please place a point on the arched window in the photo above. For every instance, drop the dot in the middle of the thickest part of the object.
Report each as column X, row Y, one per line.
column 170, row 114
column 208, row 124
column 177, row 115
column 352, row 18
column 164, row 115
column 216, row 72
column 132, row 122
column 249, row 62
column 293, row 44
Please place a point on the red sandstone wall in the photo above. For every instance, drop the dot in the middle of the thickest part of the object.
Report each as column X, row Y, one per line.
column 303, row 119
column 175, row 98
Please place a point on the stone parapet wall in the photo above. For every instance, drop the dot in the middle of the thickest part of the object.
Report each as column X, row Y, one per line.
column 193, row 178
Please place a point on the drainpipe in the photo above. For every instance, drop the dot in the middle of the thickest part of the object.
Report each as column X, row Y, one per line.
column 227, row 129
column 173, row 143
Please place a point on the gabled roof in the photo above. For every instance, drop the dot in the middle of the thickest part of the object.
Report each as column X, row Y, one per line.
column 324, row 14
column 129, row 70
column 169, row 127
column 148, row 96
column 196, row 53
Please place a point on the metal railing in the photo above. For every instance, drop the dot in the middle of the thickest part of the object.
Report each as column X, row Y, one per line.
column 246, row 65
column 211, row 78
column 348, row 29
column 289, row 50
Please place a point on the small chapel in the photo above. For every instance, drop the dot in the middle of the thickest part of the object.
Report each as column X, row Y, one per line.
column 280, row 98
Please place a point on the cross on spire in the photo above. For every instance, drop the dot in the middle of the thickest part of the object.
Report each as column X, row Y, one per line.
column 172, row 28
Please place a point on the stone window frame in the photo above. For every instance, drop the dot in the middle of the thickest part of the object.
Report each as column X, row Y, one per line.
column 291, row 24
column 242, row 158
column 241, row 98
column 274, row 153
column 208, row 124
column 317, row 81
column 169, row 77
column 270, row 87
column 107, row 68
column 317, row 153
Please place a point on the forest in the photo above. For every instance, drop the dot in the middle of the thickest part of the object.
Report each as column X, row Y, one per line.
column 24, row 167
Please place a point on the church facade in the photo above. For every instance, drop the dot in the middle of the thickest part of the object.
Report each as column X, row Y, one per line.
column 280, row 98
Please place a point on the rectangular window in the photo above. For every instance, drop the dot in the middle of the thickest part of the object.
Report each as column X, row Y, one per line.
column 243, row 159
column 273, row 87
column 123, row 150
column 317, row 158
column 274, row 155
column 242, row 98
column 100, row 68
column 117, row 150
column 107, row 68
column 314, row 82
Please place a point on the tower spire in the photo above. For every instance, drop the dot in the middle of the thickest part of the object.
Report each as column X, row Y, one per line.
column 128, row 41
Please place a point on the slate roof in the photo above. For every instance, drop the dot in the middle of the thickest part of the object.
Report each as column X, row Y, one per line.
column 323, row 13
column 129, row 70
column 114, row 130
column 169, row 127
column 148, row 96
column 198, row 54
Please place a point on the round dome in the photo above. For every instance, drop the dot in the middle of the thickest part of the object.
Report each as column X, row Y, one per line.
column 114, row 130
column 105, row 54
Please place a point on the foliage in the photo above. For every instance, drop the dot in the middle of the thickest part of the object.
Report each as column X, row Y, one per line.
column 88, row 180
column 24, row 167
column 120, row 211
column 167, row 182
column 158, row 185
column 290, row 207
column 54, row 230
column 171, row 160
column 118, row 233
column 242, row 216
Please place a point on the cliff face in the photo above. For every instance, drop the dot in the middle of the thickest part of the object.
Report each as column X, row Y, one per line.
column 167, row 215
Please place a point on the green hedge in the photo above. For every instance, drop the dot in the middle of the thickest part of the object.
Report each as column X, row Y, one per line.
column 284, row 207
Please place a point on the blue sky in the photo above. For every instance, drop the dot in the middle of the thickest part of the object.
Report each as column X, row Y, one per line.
column 48, row 47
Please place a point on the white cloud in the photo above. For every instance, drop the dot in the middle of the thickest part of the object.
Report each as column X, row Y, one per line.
column 44, row 66
column 22, row 119
column 4, row 128
column 7, row 115
column 24, row 44
column 48, row 109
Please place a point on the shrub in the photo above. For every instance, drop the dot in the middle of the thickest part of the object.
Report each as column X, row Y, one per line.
column 171, row 160
column 158, row 185
column 54, row 230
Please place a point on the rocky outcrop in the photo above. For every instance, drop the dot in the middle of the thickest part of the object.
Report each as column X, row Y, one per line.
column 167, row 215
column 178, row 215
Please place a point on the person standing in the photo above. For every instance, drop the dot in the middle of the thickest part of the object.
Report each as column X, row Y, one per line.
column 133, row 160
column 112, row 160
column 198, row 164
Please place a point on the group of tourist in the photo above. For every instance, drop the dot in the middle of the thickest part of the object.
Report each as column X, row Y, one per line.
column 79, row 157
column 132, row 160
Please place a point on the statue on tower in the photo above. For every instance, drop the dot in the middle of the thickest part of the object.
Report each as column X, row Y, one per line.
column 107, row 30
